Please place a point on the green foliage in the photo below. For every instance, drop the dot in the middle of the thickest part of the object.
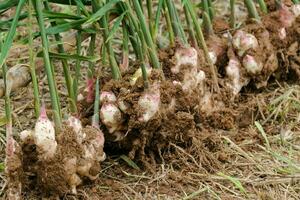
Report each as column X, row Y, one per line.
column 70, row 56
column 101, row 12
column 252, row 9
column 2, row 167
column 263, row 6
column 129, row 162
column 48, row 67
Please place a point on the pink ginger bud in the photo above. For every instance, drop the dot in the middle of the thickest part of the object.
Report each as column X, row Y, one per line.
column 286, row 17
column 233, row 72
column 10, row 146
column 213, row 57
column 251, row 65
column 75, row 123
column 107, row 97
column 98, row 144
column 111, row 116
column 26, row 136
column 177, row 83
column 282, row 33
column 185, row 56
column 149, row 102
column 122, row 105
column 125, row 62
column 296, row 10
column 232, row 69
column 90, row 90
column 44, row 135
column 192, row 80
column 243, row 41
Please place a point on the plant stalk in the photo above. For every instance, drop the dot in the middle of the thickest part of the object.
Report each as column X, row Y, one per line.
column 10, row 36
column 95, row 120
column 150, row 17
column 207, row 24
column 176, row 25
column 205, row 6
column 8, row 111
column 232, row 14
column 263, row 6
column 183, row 37
column 143, row 66
column 66, row 70
column 201, row 40
column 296, row 1
column 133, row 35
column 111, row 55
column 252, row 9
column 91, row 52
column 78, row 62
column 4, row 49
column 157, row 18
column 48, row 68
column 37, row 103
column 125, row 47
column 169, row 25
column 147, row 35
column 211, row 10
column 130, row 24
column 190, row 28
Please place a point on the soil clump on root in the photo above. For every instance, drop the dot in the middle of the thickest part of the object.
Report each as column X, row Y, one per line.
column 77, row 159
column 182, row 114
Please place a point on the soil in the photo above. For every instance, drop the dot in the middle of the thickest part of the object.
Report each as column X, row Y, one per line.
column 271, row 23
column 50, row 177
column 220, row 25
column 287, row 49
column 265, row 53
column 271, row 5
column 146, row 142
column 219, row 45
column 14, row 169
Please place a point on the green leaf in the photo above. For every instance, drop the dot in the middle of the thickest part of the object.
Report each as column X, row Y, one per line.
column 129, row 162
column 9, row 39
column 195, row 194
column 4, row 5
column 6, row 24
column 95, row 120
column 3, row 11
column 157, row 16
column 2, row 167
column 82, row 8
column 48, row 66
column 70, row 2
column 101, row 12
column 261, row 130
column 263, row 6
column 3, row 121
column 55, row 15
column 115, row 26
column 70, row 56
column 64, row 27
column 291, row 163
column 235, row 181
column 250, row 5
